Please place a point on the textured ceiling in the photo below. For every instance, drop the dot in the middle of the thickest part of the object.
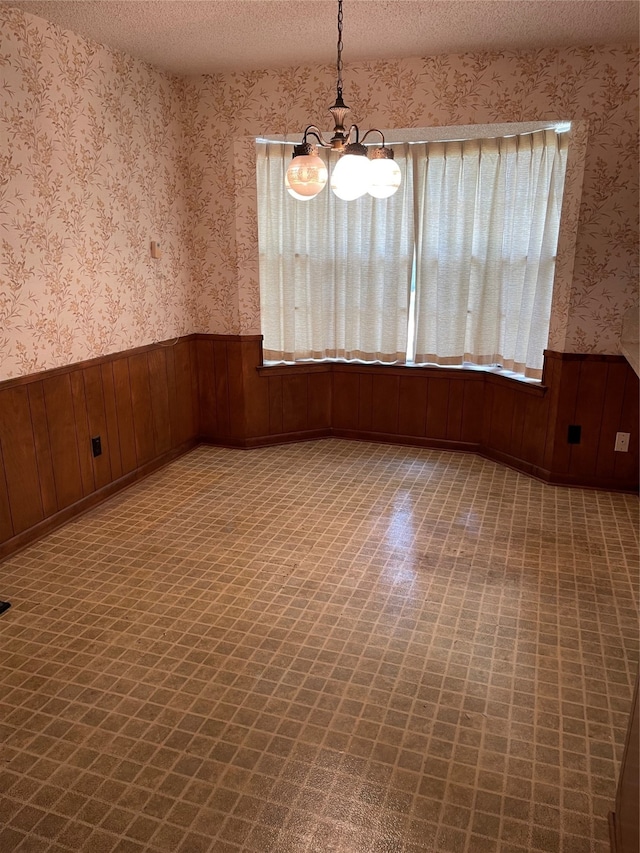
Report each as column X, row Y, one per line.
column 204, row 36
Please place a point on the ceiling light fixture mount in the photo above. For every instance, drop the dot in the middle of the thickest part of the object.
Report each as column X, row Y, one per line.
column 358, row 171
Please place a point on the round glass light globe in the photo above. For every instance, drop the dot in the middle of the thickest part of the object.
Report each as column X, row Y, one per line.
column 385, row 177
column 351, row 177
column 293, row 193
column 307, row 175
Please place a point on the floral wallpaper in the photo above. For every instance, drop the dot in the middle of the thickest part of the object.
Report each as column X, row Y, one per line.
column 100, row 154
column 92, row 168
column 595, row 87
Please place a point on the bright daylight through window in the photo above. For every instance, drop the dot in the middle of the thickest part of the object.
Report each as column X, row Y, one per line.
column 456, row 268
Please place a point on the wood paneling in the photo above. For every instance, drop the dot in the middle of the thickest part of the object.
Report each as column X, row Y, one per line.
column 319, row 400
column 346, row 400
column 143, row 415
column 6, row 525
column 124, row 414
column 412, row 405
column 471, row 431
column 437, row 408
column 58, row 401
column 207, row 398
column 626, row 464
column 46, row 480
column 142, row 404
column 221, row 385
column 384, row 404
column 83, row 440
column 295, row 414
column 276, row 413
column 149, row 404
column 182, row 399
column 159, row 393
column 97, row 422
column 112, row 425
column 20, row 463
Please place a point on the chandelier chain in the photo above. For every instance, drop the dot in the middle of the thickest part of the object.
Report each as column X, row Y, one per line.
column 339, row 61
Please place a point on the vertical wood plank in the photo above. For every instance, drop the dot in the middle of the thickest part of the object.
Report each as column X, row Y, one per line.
column 43, row 449
column 294, row 403
column 20, row 463
column 184, row 422
column 256, row 390
column 412, row 405
column 611, row 414
column 518, row 421
column 195, row 390
column 111, row 420
column 175, row 415
column 455, row 409
column 124, row 410
column 501, row 419
column 82, row 431
column 534, row 429
column 97, row 420
column 236, row 391
column 345, row 395
column 437, row 408
column 159, row 393
column 319, row 400
column 275, row 405
column 221, row 387
column 365, row 402
column 472, row 411
column 569, row 382
column 626, row 464
column 58, row 399
column 141, row 406
column 384, row 404
column 552, row 374
column 588, row 415
column 6, row 525
column 208, row 408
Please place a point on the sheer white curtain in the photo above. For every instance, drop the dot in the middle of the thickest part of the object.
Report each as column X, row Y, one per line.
column 487, row 220
column 335, row 276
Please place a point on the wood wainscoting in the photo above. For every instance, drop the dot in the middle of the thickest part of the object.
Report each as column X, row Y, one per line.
column 244, row 404
column 143, row 406
column 150, row 404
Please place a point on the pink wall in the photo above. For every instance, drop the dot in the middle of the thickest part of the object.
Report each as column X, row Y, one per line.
column 100, row 154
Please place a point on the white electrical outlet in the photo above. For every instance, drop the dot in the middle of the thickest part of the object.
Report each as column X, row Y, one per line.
column 622, row 442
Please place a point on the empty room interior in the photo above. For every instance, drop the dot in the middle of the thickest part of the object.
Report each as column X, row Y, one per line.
column 319, row 426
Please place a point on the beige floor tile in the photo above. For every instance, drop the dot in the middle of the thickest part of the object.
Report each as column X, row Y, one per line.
column 327, row 646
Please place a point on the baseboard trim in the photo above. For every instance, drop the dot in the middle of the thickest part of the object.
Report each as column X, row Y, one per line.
column 267, row 440
column 48, row 525
column 520, row 465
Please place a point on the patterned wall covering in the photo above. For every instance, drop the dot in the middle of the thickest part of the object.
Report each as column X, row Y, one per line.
column 594, row 85
column 92, row 168
column 99, row 154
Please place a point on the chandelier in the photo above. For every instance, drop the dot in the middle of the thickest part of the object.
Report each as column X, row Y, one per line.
column 358, row 171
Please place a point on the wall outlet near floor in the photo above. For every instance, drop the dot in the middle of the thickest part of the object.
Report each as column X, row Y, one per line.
column 96, row 446
column 574, row 434
column 622, row 442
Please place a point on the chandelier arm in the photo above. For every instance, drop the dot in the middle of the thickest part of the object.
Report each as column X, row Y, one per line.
column 373, row 130
column 357, row 131
column 312, row 130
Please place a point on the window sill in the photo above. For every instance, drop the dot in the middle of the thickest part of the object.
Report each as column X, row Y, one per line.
column 472, row 373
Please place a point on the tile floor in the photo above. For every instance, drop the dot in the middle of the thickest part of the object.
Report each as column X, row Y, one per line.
column 330, row 646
